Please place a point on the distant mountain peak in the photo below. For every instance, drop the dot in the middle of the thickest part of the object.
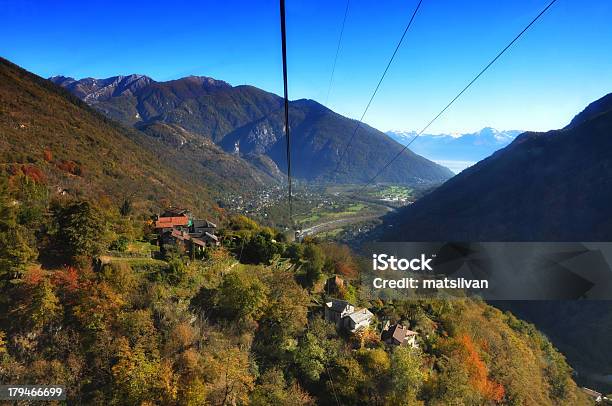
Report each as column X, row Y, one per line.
column 93, row 90
column 457, row 150
column 205, row 81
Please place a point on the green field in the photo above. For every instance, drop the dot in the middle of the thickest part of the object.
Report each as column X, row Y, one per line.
column 393, row 192
column 317, row 215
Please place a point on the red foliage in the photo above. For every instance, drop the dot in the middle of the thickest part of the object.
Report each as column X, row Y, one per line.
column 70, row 167
column 346, row 269
column 33, row 276
column 48, row 155
column 478, row 371
column 33, row 173
column 220, row 212
column 67, row 278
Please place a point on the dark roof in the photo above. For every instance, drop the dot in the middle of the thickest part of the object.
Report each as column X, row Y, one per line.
column 398, row 332
column 338, row 305
column 203, row 224
column 175, row 213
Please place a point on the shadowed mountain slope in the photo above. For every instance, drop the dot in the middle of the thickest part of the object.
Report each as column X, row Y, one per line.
column 554, row 186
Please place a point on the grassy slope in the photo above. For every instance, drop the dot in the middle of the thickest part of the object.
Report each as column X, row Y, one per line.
column 36, row 115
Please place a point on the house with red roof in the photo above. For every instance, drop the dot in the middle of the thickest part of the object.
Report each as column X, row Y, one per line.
column 178, row 227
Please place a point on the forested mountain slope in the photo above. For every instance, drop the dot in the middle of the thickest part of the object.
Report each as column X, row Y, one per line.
column 254, row 118
column 55, row 138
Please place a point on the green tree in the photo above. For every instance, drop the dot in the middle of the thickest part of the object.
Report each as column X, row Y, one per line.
column 273, row 390
column 406, row 376
column 79, row 230
column 241, row 295
column 120, row 244
column 260, row 249
column 310, row 357
column 16, row 248
column 314, row 260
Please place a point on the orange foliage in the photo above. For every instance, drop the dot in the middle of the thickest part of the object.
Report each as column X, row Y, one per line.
column 33, row 276
column 219, row 254
column 368, row 338
column 105, row 202
column 33, row 173
column 342, row 260
column 478, row 371
column 220, row 211
column 70, row 167
column 346, row 269
column 48, row 155
column 68, row 278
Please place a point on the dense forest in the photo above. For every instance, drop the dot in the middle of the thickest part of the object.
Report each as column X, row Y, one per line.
column 241, row 324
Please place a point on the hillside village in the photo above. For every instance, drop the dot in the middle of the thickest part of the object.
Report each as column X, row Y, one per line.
column 175, row 309
column 345, row 316
column 179, row 228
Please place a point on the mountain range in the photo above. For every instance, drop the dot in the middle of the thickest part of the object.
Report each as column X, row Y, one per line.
column 456, row 151
column 251, row 121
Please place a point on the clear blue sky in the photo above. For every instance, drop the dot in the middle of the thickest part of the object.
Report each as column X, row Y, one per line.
column 563, row 63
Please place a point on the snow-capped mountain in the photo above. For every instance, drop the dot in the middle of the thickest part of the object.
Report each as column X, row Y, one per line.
column 456, row 151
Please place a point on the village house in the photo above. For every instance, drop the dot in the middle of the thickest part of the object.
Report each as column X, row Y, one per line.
column 204, row 230
column 359, row 320
column 344, row 315
column 178, row 227
column 399, row 335
column 192, row 246
column 336, row 310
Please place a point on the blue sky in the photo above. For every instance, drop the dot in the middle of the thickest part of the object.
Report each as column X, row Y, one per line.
column 563, row 63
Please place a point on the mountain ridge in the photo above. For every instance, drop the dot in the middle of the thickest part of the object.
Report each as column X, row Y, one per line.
column 251, row 116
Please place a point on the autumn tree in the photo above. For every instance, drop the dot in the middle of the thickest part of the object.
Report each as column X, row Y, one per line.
column 274, row 390
column 406, row 376
column 241, row 296
column 228, row 377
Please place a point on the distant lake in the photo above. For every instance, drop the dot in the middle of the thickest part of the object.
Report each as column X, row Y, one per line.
column 455, row 166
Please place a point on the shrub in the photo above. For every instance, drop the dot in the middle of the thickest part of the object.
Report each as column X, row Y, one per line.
column 120, row 244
